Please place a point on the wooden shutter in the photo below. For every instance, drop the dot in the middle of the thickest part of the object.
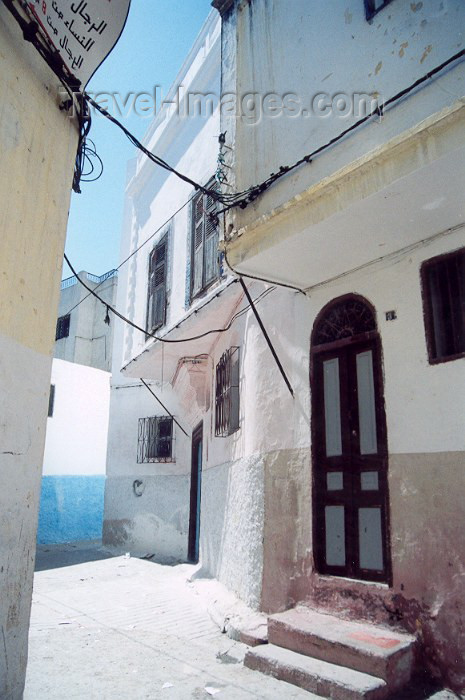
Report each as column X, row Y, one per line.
column 197, row 244
column 211, row 242
column 157, row 285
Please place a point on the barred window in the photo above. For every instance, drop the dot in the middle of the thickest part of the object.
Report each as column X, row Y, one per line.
column 372, row 7
column 155, row 440
column 227, row 393
column 443, row 281
column 156, row 297
column 62, row 330
column 204, row 263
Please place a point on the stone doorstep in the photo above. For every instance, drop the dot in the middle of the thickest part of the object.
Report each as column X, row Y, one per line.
column 367, row 648
column 314, row 675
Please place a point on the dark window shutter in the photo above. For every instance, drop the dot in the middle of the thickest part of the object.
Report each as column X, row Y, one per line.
column 198, row 244
column 204, row 243
column 62, row 328
column 51, row 400
column 444, row 297
column 157, row 286
column 211, row 247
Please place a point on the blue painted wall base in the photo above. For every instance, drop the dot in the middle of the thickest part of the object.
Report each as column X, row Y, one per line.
column 71, row 509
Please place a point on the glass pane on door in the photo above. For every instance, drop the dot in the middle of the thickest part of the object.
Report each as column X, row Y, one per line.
column 370, row 539
column 366, row 403
column 335, row 536
column 332, row 407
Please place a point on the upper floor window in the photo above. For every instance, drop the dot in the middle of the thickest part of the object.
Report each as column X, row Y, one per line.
column 227, row 393
column 51, row 400
column 155, row 439
column 443, row 281
column 374, row 6
column 62, row 330
column 204, row 262
column 156, row 296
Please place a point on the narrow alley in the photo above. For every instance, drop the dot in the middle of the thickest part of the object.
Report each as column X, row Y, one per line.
column 128, row 628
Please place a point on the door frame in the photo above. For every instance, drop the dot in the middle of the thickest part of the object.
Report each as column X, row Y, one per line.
column 369, row 338
column 193, row 544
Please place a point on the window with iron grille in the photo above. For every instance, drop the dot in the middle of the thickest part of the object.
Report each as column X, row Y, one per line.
column 443, row 282
column 155, row 440
column 227, row 393
column 62, row 330
column 204, row 256
column 156, row 296
column 372, row 7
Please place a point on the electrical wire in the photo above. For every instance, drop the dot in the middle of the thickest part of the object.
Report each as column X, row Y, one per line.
column 136, row 250
column 147, row 386
column 254, row 192
column 239, row 199
column 151, row 156
column 143, row 330
column 260, row 279
column 90, row 156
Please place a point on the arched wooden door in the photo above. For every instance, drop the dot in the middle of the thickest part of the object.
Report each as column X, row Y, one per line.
column 350, row 487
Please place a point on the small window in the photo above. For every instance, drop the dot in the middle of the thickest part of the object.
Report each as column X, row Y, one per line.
column 443, row 281
column 205, row 267
column 62, row 330
column 372, row 7
column 156, row 297
column 51, row 400
column 155, row 440
column 227, row 393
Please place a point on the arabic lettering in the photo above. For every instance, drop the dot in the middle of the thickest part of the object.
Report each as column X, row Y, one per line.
column 86, row 17
column 75, row 28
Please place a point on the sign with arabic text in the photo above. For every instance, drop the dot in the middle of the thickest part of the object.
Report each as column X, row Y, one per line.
column 83, row 31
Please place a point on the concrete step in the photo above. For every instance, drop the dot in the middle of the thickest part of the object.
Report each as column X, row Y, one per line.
column 364, row 647
column 314, row 675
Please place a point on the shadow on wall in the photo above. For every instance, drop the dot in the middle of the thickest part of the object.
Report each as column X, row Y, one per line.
column 71, row 509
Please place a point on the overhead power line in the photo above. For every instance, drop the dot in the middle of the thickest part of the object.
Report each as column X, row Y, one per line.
column 121, row 316
column 136, row 250
column 32, row 32
column 163, row 406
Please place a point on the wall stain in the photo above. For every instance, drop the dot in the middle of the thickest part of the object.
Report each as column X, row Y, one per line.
column 416, row 6
column 402, row 48
column 426, row 52
column 378, row 67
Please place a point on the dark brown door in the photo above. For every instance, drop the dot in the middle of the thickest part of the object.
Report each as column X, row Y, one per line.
column 196, row 490
column 350, row 459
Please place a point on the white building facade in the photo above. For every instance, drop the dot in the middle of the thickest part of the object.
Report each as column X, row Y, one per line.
column 192, row 488
column 363, row 505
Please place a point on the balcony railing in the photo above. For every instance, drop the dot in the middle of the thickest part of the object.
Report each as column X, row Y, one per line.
column 69, row 281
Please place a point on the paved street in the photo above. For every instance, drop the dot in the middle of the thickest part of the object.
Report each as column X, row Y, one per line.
column 129, row 628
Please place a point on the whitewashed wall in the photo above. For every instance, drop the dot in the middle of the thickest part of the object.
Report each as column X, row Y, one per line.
column 38, row 145
column 76, row 441
column 334, row 52
column 157, row 520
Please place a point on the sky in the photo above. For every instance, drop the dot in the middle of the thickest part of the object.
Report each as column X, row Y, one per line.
column 155, row 41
